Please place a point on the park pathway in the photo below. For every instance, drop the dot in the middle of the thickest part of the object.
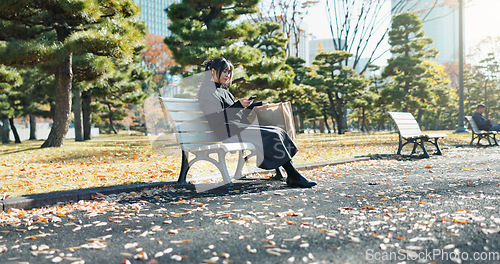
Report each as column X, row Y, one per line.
column 444, row 209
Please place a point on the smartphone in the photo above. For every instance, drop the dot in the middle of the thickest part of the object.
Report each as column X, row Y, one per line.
column 252, row 97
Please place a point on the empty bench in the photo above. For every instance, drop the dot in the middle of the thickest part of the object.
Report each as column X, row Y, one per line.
column 480, row 134
column 409, row 132
column 193, row 134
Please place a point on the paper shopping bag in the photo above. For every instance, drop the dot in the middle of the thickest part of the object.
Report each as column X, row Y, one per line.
column 275, row 114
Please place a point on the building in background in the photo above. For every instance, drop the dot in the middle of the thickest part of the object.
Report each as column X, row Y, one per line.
column 298, row 45
column 317, row 45
column 154, row 15
column 442, row 26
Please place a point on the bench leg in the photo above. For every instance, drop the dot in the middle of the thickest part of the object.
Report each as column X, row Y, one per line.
column 489, row 141
column 239, row 168
column 415, row 144
column 421, row 144
column 222, row 166
column 472, row 141
column 400, row 147
column 436, row 144
column 495, row 139
column 184, row 169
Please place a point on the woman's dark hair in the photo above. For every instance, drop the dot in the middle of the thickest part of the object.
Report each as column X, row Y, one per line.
column 219, row 65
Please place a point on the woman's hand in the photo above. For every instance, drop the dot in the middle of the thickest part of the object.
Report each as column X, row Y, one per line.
column 245, row 102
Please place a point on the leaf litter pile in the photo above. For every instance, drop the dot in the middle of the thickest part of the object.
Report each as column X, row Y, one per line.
column 122, row 159
column 449, row 203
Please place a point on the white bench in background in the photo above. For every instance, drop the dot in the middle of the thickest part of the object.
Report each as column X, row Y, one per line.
column 195, row 137
column 480, row 134
column 410, row 132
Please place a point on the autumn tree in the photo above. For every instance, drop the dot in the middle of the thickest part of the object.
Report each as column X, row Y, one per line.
column 159, row 59
column 441, row 109
column 50, row 33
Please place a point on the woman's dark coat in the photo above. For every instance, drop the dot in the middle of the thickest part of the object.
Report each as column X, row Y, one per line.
column 228, row 119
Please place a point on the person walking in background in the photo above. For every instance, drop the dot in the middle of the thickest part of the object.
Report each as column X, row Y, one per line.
column 481, row 121
column 228, row 119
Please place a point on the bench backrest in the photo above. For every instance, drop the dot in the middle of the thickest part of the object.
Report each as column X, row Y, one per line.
column 472, row 124
column 406, row 124
column 190, row 125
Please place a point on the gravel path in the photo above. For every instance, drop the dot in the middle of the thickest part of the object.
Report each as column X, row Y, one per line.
column 444, row 209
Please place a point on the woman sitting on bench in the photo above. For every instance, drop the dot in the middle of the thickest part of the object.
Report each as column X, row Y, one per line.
column 228, row 119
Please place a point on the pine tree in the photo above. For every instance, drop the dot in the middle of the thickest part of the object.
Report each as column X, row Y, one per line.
column 409, row 89
column 341, row 84
column 9, row 79
column 113, row 94
column 200, row 28
column 208, row 29
column 50, row 33
column 36, row 94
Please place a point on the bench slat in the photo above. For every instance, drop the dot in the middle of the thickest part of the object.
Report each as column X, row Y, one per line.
column 178, row 100
column 192, row 127
column 473, row 125
column 175, row 106
column 196, row 137
column 187, row 117
column 227, row 147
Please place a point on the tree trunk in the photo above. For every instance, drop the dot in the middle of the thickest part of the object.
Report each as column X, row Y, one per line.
column 301, row 120
column 486, row 99
column 334, row 126
column 5, row 131
column 325, row 118
column 342, row 116
column 17, row 139
column 111, row 123
column 77, row 112
column 437, row 124
column 296, row 118
column 342, row 122
column 381, row 123
column 32, row 127
column 87, row 114
column 63, row 80
column 363, row 126
column 420, row 112
column 336, row 114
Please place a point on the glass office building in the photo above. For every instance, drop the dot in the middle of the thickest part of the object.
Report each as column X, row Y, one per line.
column 442, row 26
column 154, row 15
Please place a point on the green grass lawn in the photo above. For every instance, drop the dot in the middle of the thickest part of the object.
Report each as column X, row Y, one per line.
column 122, row 159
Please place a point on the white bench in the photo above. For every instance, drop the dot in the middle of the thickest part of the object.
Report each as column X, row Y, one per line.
column 409, row 130
column 194, row 135
column 480, row 134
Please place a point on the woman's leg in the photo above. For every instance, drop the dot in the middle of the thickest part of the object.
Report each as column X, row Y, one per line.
column 279, row 176
column 294, row 178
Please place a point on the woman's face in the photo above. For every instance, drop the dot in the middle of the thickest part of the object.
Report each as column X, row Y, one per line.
column 225, row 76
